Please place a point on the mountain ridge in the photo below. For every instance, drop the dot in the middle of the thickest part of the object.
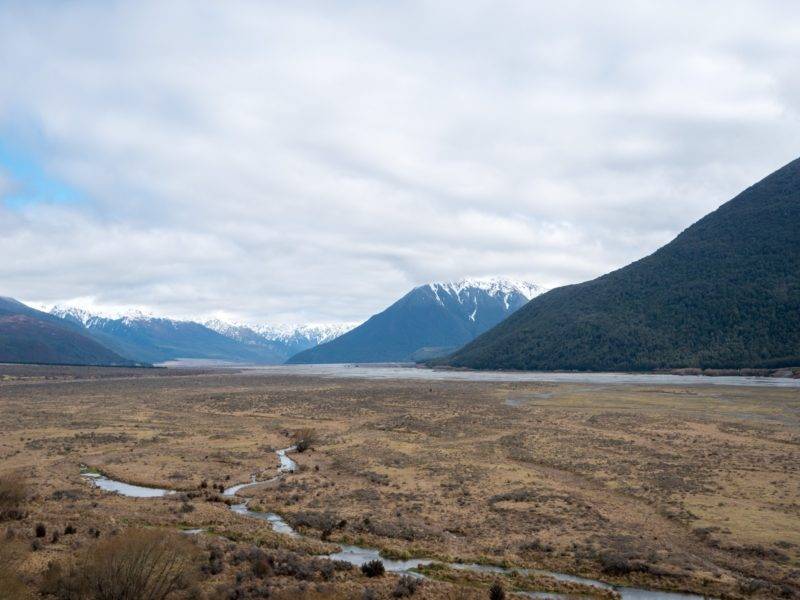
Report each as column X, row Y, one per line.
column 430, row 320
column 28, row 335
column 725, row 293
column 145, row 336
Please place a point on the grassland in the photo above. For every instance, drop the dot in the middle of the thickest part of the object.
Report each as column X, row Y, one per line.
column 676, row 488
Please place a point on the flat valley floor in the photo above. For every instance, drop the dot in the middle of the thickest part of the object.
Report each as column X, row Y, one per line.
column 685, row 488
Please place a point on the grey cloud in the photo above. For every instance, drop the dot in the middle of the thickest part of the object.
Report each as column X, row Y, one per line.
column 312, row 161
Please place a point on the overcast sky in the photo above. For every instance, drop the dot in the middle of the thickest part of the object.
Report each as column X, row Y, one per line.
column 312, row 161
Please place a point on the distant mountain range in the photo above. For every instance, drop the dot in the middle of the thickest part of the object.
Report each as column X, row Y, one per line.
column 287, row 340
column 28, row 335
column 147, row 338
column 431, row 320
column 724, row 294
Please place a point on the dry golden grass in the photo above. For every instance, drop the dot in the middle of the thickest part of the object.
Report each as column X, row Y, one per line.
column 13, row 493
column 675, row 487
column 12, row 587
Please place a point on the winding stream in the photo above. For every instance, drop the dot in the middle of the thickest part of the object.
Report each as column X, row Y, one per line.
column 357, row 555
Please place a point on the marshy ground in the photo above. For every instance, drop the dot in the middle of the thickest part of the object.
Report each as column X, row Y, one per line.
column 693, row 488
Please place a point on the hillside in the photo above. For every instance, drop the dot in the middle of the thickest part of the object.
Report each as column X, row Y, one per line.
column 431, row 320
column 31, row 336
column 155, row 339
column 725, row 293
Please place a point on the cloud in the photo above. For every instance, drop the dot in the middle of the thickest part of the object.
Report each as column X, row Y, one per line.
column 6, row 184
column 313, row 161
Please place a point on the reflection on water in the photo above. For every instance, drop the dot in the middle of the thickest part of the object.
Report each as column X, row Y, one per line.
column 126, row 489
column 356, row 555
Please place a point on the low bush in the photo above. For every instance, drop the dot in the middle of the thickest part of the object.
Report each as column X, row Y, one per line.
column 614, row 563
column 406, row 586
column 304, row 438
column 373, row 568
column 137, row 564
column 496, row 592
column 40, row 530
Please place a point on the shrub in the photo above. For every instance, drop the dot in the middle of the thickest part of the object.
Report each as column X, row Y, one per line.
column 138, row 564
column 496, row 592
column 215, row 564
column 13, row 492
column 41, row 530
column 373, row 568
column 613, row 563
column 70, row 530
column 262, row 569
column 304, row 438
column 406, row 586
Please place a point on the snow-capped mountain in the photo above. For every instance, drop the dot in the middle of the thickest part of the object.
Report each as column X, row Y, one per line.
column 294, row 338
column 86, row 318
column 431, row 320
column 29, row 335
column 470, row 290
column 74, row 314
column 144, row 337
column 314, row 333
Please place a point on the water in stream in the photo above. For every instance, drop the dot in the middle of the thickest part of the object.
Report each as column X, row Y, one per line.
column 357, row 555
column 125, row 489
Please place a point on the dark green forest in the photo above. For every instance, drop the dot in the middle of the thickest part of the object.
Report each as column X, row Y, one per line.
column 724, row 294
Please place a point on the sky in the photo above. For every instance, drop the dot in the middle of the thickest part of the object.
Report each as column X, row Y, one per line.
column 313, row 161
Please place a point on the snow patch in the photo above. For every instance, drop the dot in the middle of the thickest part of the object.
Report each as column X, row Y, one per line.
column 503, row 287
column 128, row 318
column 316, row 333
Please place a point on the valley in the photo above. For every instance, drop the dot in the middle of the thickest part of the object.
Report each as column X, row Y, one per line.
column 668, row 487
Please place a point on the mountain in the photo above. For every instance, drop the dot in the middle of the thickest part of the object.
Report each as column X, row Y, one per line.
column 154, row 339
column 724, row 294
column 285, row 340
column 431, row 320
column 31, row 336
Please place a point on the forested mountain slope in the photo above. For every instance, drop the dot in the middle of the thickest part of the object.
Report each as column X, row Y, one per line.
column 724, row 293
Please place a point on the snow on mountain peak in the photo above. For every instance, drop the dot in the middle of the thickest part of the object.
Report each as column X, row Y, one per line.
column 494, row 286
column 72, row 313
column 316, row 333
column 87, row 317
